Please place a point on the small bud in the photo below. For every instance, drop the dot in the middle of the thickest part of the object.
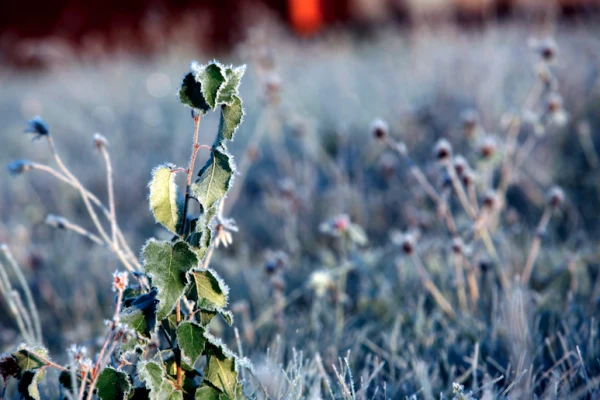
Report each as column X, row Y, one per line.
column 120, row 281
column 18, row 167
column 556, row 197
column 379, row 129
column 38, row 127
column 56, row 222
column 458, row 246
column 341, row 222
column 487, row 147
column 490, row 200
column 443, row 150
column 287, row 187
column 99, row 141
column 77, row 353
column 460, row 165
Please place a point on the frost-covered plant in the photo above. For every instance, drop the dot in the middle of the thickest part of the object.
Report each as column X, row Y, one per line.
column 158, row 344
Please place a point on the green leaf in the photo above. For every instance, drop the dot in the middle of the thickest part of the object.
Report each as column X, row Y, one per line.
column 230, row 89
column 141, row 314
column 211, row 292
column 221, row 371
column 214, row 179
column 207, row 393
column 154, row 376
column 201, row 237
column 113, row 384
column 28, row 359
column 190, row 338
column 166, row 203
column 231, row 117
column 168, row 265
column 28, row 385
column 190, row 94
column 211, row 77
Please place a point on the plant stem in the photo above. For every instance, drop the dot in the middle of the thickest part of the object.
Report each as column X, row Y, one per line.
column 190, row 173
column 535, row 245
column 111, row 194
column 37, row 328
column 178, row 350
column 431, row 288
column 88, row 205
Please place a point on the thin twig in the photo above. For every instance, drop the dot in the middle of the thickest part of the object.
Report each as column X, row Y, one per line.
column 28, row 296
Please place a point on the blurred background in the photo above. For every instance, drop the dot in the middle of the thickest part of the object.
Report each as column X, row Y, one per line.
column 319, row 72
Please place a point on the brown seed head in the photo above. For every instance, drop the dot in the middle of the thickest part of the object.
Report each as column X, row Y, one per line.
column 379, row 129
column 556, row 197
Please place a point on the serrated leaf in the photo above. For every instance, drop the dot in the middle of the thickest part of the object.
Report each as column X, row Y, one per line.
column 201, row 237
column 205, row 316
column 231, row 87
column 28, row 359
column 113, row 384
column 232, row 116
column 221, row 371
column 214, row 180
column 190, row 94
column 168, row 265
column 211, row 77
column 190, row 338
column 166, row 203
column 29, row 384
column 207, row 393
column 141, row 314
column 154, row 376
column 211, row 292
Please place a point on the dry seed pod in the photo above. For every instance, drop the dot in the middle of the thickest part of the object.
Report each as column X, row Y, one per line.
column 487, row 147
column 458, row 246
column 408, row 242
column 547, row 49
column 556, row 197
column 468, row 177
column 443, row 150
column 99, row 141
column 489, row 200
column 470, row 121
column 379, row 129
column 460, row 165
column 554, row 103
